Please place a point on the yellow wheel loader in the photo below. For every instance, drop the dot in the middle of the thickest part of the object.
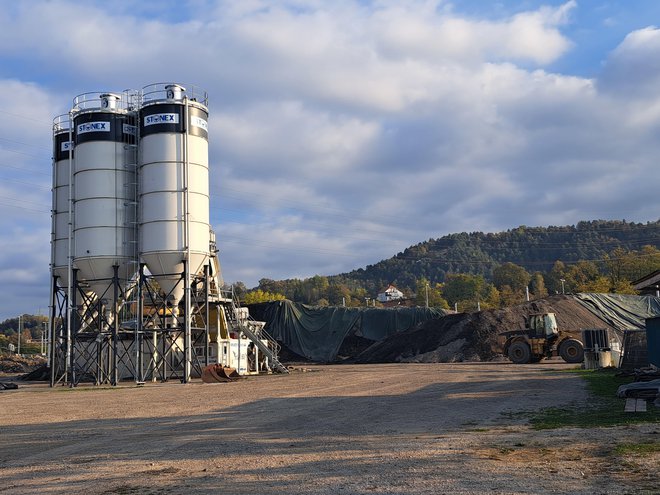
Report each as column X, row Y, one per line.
column 540, row 339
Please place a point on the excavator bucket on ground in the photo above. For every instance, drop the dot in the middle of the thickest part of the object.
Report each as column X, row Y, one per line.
column 216, row 373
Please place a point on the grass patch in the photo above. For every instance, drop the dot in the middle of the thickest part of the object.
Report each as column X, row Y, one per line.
column 645, row 448
column 603, row 409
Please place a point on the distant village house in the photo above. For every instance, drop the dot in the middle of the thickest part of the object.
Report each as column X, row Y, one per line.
column 390, row 294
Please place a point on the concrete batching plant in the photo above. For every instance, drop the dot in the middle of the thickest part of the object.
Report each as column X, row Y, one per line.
column 136, row 289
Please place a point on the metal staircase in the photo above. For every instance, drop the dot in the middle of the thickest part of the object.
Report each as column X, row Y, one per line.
column 271, row 350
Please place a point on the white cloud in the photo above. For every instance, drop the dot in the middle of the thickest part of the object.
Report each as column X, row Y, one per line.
column 534, row 36
column 633, row 68
column 310, row 144
column 343, row 132
column 436, row 36
column 385, row 57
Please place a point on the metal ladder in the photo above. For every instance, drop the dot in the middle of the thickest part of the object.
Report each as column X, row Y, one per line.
column 132, row 101
column 270, row 351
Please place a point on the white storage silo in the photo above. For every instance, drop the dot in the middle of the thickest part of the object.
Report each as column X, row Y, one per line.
column 174, row 185
column 104, row 179
column 62, row 161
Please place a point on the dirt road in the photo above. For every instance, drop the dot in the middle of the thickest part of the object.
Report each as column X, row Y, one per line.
column 400, row 428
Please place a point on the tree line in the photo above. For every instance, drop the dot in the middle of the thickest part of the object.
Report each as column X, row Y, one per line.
column 477, row 270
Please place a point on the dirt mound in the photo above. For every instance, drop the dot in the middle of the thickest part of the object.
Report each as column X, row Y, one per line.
column 39, row 374
column 13, row 363
column 474, row 336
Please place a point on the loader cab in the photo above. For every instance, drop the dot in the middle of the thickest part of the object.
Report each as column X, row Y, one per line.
column 543, row 325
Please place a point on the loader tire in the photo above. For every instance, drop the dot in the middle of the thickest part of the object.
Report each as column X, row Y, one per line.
column 571, row 351
column 520, row 353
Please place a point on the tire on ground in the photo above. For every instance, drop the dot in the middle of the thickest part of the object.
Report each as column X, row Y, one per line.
column 571, row 351
column 519, row 352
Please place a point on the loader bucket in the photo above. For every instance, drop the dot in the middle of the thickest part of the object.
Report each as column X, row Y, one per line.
column 217, row 373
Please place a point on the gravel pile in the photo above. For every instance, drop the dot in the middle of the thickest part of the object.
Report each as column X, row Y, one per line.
column 13, row 363
column 474, row 336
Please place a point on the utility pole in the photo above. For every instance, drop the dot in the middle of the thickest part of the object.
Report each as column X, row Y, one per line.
column 562, row 284
column 44, row 332
column 427, row 294
column 20, row 331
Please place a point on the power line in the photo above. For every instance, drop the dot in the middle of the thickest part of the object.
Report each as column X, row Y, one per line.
column 517, row 262
column 19, row 116
column 437, row 261
column 260, row 242
column 548, row 246
column 348, row 214
column 344, row 214
column 501, row 245
column 24, row 169
column 23, row 208
column 31, row 145
column 31, row 184
column 21, row 153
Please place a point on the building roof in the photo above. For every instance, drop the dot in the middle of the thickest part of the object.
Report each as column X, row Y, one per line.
column 648, row 281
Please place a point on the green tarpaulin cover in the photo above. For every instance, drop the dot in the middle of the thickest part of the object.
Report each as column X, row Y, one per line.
column 623, row 312
column 318, row 332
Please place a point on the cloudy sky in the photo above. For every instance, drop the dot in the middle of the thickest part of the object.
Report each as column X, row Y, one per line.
column 343, row 131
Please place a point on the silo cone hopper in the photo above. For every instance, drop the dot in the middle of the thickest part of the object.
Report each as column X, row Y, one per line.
column 167, row 270
column 97, row 274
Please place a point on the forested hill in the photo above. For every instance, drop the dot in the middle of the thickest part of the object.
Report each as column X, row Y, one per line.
column 534, row 248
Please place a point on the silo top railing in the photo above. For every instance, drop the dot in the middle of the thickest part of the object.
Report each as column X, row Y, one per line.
column 61, row 123
column 126, row 101
column 168, row 91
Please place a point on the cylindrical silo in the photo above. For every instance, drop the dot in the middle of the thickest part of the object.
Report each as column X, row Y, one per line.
column 62, row 161
column 174, row 184
column 104, row 178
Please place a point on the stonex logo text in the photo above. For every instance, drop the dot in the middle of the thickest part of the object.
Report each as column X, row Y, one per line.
column 161, row 118
column 130, row 130
column 67, row 145
column 94, row 127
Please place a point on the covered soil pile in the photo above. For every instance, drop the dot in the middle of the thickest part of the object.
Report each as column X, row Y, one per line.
column 474, row 336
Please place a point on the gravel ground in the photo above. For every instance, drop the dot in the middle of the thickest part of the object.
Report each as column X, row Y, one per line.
column 387, row 429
